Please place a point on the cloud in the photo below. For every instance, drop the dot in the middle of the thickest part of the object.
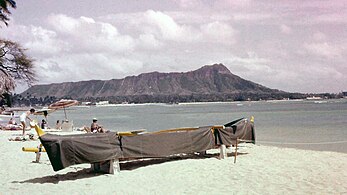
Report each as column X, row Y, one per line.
column 214, row 5
column 250, row 65
column 218, row 32
column 335, row 18
column 319, row 36
column 148, row 41
column 252, row 16
column 188, row 3
column 167, row 26
column 285, row 29
column 86, row 34
column 77, row 67
column 63, row 23
column 323, row 49
column 45, row 42
column 164, row 27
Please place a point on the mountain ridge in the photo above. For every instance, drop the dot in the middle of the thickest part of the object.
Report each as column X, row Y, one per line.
column 208, row 80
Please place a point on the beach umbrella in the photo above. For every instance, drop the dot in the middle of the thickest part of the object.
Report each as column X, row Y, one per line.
column 62, row 104
column 44, row 111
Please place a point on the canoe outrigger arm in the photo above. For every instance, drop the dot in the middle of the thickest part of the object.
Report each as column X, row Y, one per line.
column 37, row 151
column 39, row 148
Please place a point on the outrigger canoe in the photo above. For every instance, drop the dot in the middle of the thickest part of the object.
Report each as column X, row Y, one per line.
column 67, row 150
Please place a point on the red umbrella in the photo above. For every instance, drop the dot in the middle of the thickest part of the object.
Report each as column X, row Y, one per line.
column 63, row 103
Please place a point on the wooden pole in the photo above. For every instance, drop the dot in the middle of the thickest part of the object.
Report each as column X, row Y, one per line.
column 237, row 141
column 38, row 154
column 116, row 165
column 222, row 152
column 65, row 113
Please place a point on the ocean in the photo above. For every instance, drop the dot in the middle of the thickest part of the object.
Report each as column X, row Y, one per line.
column 305, row 124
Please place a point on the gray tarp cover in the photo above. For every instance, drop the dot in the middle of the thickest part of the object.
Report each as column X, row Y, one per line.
column 165, row 144
column 66, row 150
column 238, row 129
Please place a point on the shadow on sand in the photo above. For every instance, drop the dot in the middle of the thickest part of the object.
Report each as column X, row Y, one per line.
column 54, row 179
column 131, row 165
column 124, row 165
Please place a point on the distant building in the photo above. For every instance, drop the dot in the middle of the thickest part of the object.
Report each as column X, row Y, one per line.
column 344, row 93
column 101, row 103
column 314, row 98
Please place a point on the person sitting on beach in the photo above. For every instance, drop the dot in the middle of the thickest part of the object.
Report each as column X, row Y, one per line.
column 95, row 127
column 25, row 116
column 2, row 109
column 57, row 125
column 12, row 122
column 43, row 124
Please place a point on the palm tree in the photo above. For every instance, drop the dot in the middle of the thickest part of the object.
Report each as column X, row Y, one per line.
column 4, row 11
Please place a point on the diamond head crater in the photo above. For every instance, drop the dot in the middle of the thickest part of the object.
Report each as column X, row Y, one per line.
column 210, row 83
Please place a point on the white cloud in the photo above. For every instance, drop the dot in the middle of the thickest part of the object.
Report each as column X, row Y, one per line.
column 323, row 49
column 38, row 40
column 76, row 67
column 164, row 27
column 218, row 32
column 168, row 27
column 250, row 64
column 148, row 41
column 319, row 36
column 63, row 23
column 44, row 42
column 86, row 34
column 87, row 20
column 285, row 29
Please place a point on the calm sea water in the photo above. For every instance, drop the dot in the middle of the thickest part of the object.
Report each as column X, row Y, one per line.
column 315, row 125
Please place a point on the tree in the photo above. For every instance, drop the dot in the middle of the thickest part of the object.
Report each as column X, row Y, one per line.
column 14, row 66
column 4, row 11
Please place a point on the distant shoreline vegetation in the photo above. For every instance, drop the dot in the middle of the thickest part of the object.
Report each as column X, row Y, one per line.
column 20, row 100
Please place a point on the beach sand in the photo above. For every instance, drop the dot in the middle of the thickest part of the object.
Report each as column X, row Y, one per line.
column 259, row 170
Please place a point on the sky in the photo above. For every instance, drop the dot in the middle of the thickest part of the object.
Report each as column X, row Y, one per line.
column 291, row 45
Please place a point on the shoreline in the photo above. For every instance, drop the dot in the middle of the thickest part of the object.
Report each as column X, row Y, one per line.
column 217, row 102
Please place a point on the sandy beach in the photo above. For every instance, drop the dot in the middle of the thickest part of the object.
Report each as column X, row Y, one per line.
column 259, row 170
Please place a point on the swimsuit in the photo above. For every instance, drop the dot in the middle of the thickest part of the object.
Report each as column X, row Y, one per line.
column 22, row 117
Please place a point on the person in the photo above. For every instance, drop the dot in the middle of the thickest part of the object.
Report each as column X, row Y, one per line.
column 57, row 125
column 43, row 124
column 95, row 127
column 45, row 114
column 24, row 116
column 2, row 109
column 12, row 125
column 12, row 122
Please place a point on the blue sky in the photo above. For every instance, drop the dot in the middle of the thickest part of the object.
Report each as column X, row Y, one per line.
column 293, row 45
